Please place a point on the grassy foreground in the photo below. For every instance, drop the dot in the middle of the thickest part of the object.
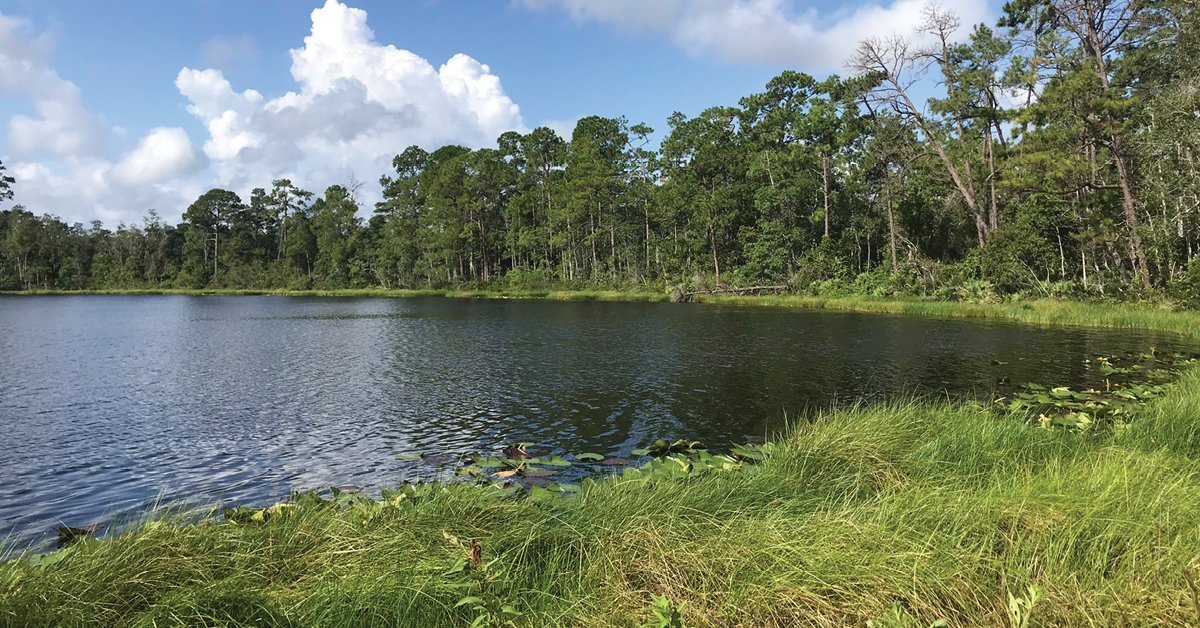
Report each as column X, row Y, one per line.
column 944, row 509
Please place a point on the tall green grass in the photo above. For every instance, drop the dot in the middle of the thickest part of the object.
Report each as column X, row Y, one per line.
column 1046, row 312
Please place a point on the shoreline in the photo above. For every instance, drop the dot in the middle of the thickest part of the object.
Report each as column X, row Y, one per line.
column 907, row 511
column 1041, row 312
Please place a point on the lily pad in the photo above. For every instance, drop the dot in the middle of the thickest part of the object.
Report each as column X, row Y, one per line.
column 555, row 461
column 614, row 462
column 589, row 457
column 68, row 534
column 45, row 560
column 539, row 473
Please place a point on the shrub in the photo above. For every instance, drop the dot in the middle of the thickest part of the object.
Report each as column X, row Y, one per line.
column 1187, row 288
column 977, row 291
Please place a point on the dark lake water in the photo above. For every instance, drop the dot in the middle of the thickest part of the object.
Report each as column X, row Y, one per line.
column 107, row 403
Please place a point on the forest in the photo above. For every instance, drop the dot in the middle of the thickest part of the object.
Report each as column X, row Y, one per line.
column 1053, row 154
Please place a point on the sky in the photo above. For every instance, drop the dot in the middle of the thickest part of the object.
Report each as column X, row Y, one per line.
column 111, row 109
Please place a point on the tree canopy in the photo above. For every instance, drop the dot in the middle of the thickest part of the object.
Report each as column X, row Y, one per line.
column 1055, row 153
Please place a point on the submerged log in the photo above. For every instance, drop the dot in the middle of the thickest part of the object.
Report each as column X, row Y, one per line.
column 738, row 290
column 679, row 296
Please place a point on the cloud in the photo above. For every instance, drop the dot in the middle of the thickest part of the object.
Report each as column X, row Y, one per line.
column 634, row 14
column 163, row 154
column 60, row 157
column 357, row 103
column 226, row 53
column 64, row 127
column 771, row 32
column 564, row 128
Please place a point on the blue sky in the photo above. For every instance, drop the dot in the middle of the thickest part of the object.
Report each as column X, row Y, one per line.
column 102, row 121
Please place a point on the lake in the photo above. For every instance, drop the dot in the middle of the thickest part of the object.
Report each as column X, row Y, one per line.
column 107, row 403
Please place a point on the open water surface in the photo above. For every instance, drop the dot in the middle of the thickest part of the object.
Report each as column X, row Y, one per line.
column 109, row 403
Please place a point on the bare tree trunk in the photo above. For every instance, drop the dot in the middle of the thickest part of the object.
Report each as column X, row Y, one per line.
column 282, row 235
column 889, row 58
column 887, row 186
column 989, row 157
column 825, row 182
column 646, row 211
column 712, row 236
column 967, row 192
column 1095, row 48
column 1137, row 254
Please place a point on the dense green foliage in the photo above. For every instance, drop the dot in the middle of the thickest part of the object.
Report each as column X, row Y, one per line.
column 1056, row 157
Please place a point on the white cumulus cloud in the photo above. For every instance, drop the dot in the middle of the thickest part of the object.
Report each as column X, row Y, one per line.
column 358, row 102
column 61, row 158
column 165, row 153
column 772, row 32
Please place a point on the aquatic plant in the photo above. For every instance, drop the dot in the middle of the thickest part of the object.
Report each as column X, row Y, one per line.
column 665, row 614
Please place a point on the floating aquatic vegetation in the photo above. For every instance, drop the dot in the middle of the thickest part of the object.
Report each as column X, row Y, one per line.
column 661, row 448
column 523, row 477
column 1128, row 380
column 68, row 535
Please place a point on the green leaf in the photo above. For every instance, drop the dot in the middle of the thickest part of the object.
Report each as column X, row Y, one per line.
column 538, row 493
column 554, row 461
column 589, row 457
column 45, row 560
column 539, row 473
column 469, row 600
column 409, row 457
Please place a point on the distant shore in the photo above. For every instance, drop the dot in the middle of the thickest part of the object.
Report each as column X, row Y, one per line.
column 1043, row 312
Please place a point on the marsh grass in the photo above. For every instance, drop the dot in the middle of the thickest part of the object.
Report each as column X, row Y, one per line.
column 1043, row 312
column 937, row 506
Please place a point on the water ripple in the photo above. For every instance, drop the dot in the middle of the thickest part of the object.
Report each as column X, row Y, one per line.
column 110, row 404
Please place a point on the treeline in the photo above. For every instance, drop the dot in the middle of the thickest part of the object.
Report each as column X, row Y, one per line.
column 1056, row 157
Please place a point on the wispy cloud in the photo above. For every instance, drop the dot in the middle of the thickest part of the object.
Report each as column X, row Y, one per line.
column 771, row 32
